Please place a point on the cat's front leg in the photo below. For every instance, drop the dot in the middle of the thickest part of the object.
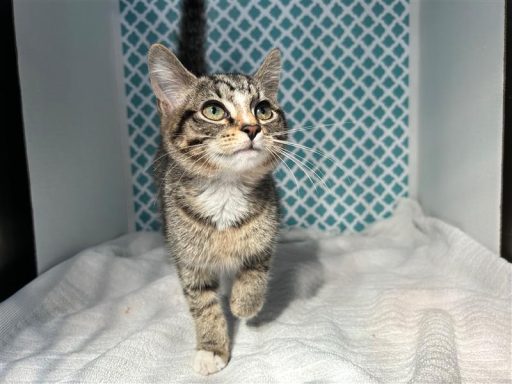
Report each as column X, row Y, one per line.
column 250, row 286
column 200, row 288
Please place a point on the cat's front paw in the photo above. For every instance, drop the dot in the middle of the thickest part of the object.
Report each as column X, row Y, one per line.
column 207, row 362
column 245, row 307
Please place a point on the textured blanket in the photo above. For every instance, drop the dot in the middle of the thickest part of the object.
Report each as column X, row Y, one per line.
column 410, row 300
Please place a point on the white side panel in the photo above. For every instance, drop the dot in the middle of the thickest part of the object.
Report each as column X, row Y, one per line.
column 460, row 113
column 74, row 127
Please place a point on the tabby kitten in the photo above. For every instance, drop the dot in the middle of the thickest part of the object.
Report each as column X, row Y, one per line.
column 217, row 194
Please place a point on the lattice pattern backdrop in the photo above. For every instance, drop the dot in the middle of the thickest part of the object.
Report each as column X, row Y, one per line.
column 344, row 90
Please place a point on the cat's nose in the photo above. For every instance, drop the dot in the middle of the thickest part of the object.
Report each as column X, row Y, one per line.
column 251, row 130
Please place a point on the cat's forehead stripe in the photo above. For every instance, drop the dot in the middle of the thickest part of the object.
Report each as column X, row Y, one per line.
column 222, row 82
column 228, row 88
column 223, row 91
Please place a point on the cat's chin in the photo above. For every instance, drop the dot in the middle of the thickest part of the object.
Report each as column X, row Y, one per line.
column 247, row 153
column 243, row 160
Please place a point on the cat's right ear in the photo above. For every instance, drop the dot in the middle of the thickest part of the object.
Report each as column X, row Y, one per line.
column 169, row 78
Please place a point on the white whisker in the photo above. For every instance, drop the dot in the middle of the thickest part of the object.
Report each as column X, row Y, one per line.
column 154, row 161
column 309, row 128
column 305, row 163
column 286, row 165
column 320, row 179
column 317, row 152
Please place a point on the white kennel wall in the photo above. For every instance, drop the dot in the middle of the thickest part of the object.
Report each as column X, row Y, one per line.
column 74, row 123
column 457, row 91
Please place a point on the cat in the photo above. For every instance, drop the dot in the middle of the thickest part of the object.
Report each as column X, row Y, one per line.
column 218, row 198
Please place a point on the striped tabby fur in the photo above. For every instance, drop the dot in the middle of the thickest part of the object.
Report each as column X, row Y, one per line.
column 217, row 194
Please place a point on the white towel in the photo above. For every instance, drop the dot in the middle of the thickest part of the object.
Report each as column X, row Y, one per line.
column 410, row 300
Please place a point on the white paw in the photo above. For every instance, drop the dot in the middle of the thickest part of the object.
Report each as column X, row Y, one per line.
column 206, row 362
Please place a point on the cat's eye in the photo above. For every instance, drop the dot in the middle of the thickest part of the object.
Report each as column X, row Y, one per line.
column 214, row 111
column 263, row 111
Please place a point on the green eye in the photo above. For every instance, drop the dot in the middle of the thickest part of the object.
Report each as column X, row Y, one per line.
column 214, row 111
column 263, row 111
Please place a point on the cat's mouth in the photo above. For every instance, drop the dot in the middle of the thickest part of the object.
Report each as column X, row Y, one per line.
column 247, row 150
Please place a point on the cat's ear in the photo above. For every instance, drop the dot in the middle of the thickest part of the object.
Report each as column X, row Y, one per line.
column 169, row 78
column 268, row 73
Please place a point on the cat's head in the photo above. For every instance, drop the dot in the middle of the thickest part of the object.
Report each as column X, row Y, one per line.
column 225, row 123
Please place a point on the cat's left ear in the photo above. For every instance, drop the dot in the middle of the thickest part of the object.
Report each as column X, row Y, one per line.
column 269, row 72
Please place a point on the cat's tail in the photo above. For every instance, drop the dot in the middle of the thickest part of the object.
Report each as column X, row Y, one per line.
column 191, row 47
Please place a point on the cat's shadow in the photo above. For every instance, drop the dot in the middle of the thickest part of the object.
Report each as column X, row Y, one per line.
column 296, row 274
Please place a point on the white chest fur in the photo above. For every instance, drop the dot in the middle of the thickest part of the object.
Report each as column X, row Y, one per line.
column 224, row 202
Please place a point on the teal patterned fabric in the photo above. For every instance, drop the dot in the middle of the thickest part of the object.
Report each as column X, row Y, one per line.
column 344, row 89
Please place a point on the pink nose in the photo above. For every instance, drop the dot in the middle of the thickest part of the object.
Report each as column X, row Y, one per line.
column 251, row 130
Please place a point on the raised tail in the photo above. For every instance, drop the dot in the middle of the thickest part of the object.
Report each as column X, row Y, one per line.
column 191, row 45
